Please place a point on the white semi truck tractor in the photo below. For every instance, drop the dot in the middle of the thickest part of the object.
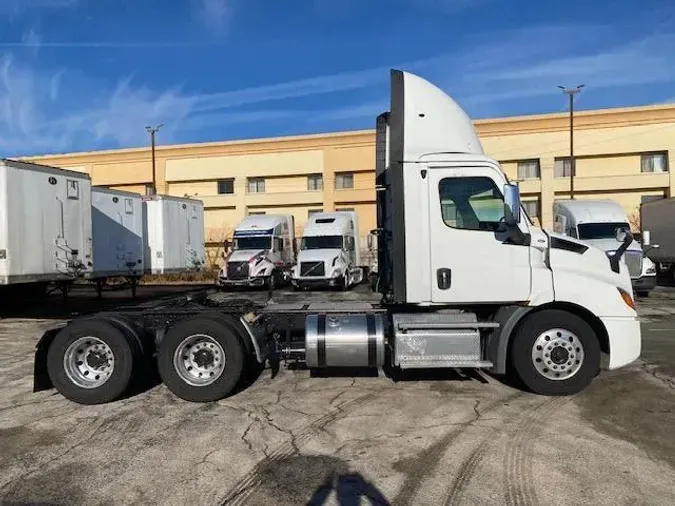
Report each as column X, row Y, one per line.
column 467, row 281
column 329, row 253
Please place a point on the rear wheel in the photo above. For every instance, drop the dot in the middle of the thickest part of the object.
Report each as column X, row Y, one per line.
column 555, row 353
column 91, row 362
column 201, row 359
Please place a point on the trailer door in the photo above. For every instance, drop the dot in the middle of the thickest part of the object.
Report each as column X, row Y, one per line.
column 471, row 259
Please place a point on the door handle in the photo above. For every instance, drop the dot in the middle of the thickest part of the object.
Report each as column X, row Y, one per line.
column 444, row 278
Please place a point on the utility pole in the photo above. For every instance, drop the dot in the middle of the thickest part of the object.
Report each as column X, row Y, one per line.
column 152, row 132
column 573, row 164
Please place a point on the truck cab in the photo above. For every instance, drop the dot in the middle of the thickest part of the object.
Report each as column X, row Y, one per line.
column 329, row 252
column 261, row 252
column 596, row 222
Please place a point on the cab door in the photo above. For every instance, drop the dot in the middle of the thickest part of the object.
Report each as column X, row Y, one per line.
column 473, row 258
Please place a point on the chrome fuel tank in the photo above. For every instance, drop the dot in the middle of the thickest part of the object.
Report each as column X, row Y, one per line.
column 344, row 340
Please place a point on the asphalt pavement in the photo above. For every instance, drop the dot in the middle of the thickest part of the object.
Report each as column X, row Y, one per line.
column 456, row 437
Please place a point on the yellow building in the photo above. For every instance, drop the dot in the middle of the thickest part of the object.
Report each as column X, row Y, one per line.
column 623, row 154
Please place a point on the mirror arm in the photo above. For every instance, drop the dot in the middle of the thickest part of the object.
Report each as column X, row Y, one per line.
column 614, row 260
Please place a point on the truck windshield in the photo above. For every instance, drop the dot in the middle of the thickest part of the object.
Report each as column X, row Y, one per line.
column 322, row 242
column 600, row 230
column 260, row 242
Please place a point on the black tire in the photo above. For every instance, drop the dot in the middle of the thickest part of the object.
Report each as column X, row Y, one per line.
column 271, row 281
column 345, row 283
column 122, row 351
column 524, row 340
column 234, row 359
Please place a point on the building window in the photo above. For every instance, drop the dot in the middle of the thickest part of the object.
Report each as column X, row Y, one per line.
column 315, row 183
column 528, row 169
column 344, row 181
column 562, row 167
column 311, row 212
column 654, row 162
column 532, row 209
column 256, row 185
column 225, row 186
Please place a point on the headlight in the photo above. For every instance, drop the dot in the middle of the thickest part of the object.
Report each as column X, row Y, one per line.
column 651, row 270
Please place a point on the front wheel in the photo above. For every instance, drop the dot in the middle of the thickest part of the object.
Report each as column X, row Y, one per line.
column 200, row 359
column 555, row 353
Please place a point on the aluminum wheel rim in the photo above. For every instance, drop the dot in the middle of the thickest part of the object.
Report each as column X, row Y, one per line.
column 88, row 362
column 199, row 360
column 558, row 354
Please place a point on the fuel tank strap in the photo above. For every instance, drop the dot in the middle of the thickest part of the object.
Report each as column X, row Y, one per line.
column 372, row 340
column 321, row 340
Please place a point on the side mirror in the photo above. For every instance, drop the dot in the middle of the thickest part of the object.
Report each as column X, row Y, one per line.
column 620, row 234
column 222, row 255
column 370, row 241
column 511, row 205
column 227, row 244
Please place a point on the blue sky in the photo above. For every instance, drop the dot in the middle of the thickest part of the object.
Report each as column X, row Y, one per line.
column 91, row 74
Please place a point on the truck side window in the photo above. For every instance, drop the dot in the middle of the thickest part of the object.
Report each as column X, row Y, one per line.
column 471, row 203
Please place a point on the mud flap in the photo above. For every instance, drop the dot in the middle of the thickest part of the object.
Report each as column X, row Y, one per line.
column 41, row 380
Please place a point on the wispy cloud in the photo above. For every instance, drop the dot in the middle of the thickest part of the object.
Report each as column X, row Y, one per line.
column 32, row 40
column 18, row 7
column 449, row 6
column 489, row 71
column 216, row 15
column 39, row 43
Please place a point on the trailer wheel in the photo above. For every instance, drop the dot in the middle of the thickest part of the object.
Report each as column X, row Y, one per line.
column 201, row 360
column 90, row 362
column 555, row 353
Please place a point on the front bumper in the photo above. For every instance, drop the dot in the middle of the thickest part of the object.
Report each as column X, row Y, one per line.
column 315, row 282
column 644, row 284
column 625, row 340
column 241, row 282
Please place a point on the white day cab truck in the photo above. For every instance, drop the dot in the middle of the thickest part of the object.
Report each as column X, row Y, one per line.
column 261, row 253
column 45, row 228
column 458, row 290
column 596, row 222
column 329, row 253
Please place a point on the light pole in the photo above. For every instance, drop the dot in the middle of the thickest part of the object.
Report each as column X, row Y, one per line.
column 573, row 165
column 152, row 132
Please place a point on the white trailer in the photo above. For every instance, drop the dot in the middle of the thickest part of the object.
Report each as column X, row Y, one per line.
column 262, row 252
column 329, row 252
column 173, row 234
column 467, row 280
column 117, row 227
column 45, row 224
